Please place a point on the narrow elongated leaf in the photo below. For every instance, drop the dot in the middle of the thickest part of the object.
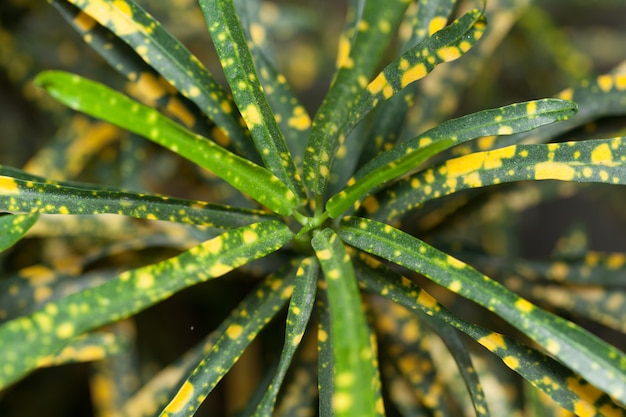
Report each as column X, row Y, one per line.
column 99, row 101
column 163, row 52
column 33, row 194
column 300, row 308
column 357, row 61
column 232, row 49
column 235, row 334
column 410, row 154
column 596, row 361
column 446, row 45
column 603, row 96
column 26, row 340
column 555, row 380
column 601, row 160
column 13, row 227
column 325, row 356
column 374, row 276
column 419, row 23
column 355, row 377
column 290, row 114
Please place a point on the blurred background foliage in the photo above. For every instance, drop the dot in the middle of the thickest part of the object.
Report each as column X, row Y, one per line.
column 548, row 46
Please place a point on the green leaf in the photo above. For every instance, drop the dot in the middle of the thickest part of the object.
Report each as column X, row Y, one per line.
column 26, row 340
column 99, row 101
column 163, row 52
column 300, row 308
column 600, row 160
column 88, row 347
column 13, row 227
column 410, row 154
column 446, row 45
column 601, row 364
column 232, row 49
column 603, row 96
column 290, row 114
column 355, row 376
column 325, row 355
column 235, row 334
column 357, row 61
column 376, row 277
column 33, row 194
column 555, row 380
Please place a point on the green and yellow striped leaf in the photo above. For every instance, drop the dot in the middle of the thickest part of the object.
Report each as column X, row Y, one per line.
column 410, row 154
column 235, row 334
column 24, row 193
column 599, row 363
column 356, row 384
column 99, row 101
column 236, row 59
column 358, row 59
column 25, row 341
column 557, row 381
column 600, row 160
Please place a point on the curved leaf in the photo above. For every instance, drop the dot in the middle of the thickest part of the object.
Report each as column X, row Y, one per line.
column 26, row 340
column 300, row 308
column 555, row 380
column 600, row 160
column 601, row 364
column 357, row 61
column 235, row 334
column 354, row 372
column 410, row 154
column 232, row 49
column 448, row 44
column 26, row 193
column 100, row 101
column 163, row 52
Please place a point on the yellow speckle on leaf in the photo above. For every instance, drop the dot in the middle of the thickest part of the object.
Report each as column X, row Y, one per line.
column 252, row 115
column 234, row 331
column 300, row 119
column 531, row 108
column 554, row 171
column 505, row 130
column 8, row 186
column 486, row 142
column 182, row 398
column 605, row 82
column 250, row 236
column 414, row 73
column 449, row 53
column 65, row 330
column 84, row 22
column 219, row 269
column 342, row 402
column 437, row 24
column 524, row 306
column 511, row 361
column 602, row 154
column 493, row 341
column 145, row 280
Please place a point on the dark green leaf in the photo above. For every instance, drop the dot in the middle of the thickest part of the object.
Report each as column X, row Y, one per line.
column 595, row 360
column 410, row 154
column 235, row 334
column 26, row 340
column 13, row 227
column 232, row 48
